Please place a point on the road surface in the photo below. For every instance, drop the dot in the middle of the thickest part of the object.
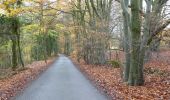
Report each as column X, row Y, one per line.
column 62, row 81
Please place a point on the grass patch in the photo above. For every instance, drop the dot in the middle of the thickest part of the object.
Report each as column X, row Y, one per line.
column 115, row 63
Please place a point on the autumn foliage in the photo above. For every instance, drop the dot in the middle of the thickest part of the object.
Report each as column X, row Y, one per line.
column 108, row 79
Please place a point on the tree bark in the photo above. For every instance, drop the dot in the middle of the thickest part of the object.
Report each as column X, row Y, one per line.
column 134, row 75
column 14, row 54
column 126, row 41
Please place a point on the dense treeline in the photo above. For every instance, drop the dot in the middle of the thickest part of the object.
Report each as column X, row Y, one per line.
column 142, row 21
column 92, row 18
column 26, row 33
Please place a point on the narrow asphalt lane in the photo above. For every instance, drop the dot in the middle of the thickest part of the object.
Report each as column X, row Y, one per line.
column 62, row 81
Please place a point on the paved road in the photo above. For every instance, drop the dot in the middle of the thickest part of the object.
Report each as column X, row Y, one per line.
column 62, row 81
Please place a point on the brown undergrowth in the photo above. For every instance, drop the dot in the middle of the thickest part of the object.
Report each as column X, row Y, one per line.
column 108, row 79
column 14, row 83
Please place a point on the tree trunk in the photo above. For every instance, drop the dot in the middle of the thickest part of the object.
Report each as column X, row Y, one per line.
column 19, row 50
column 14, row 54
column 126, row 41
column 126, row 48
column 134, row 75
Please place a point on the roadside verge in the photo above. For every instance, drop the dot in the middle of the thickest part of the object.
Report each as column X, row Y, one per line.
column 11, row 86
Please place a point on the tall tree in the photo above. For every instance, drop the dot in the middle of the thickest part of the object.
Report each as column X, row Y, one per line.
column 12, row 9
column 136, row 41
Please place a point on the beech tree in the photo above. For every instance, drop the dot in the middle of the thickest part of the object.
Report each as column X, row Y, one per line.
column 138, row 41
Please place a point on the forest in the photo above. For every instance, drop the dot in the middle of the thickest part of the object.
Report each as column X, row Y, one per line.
column 122, row 46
